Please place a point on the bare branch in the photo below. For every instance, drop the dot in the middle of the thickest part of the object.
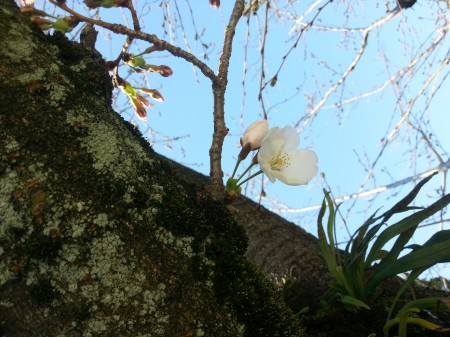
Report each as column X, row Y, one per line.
column 365, row 36
column 151, row 38
column 219, row 87
column 444, row 167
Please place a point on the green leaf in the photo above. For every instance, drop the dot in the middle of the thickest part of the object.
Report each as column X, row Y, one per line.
column 326, row 248
column 405, row 224
column 409, row 280
column 331, row 220
column 354, row 302
column 435, row 250
column 409, row 320
column 423, row 303
column 398, row 246
column 401, row 206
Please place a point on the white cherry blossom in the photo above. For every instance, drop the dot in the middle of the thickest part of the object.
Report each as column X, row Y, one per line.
column 280, row 158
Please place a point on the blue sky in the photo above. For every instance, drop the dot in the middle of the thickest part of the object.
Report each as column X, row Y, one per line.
column 347, row 139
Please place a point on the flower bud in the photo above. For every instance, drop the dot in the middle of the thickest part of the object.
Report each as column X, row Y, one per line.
column 153, row 93
column 65, row 24
column 165, row 71
column 43, row 24
column 255, row 133
column 214, row 3
column 29, row 10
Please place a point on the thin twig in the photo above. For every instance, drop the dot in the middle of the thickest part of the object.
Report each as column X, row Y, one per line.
column 219, row 87
column 151, row 38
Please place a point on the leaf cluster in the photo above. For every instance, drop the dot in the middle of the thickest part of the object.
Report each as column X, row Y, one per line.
column 365, row 263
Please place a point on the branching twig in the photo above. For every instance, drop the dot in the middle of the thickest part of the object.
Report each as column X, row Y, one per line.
column 219, row 81
column 444, row 167
column 219, row 87
column 319, row 10
column 263, row 53
column 151, row 38
column 309, row 115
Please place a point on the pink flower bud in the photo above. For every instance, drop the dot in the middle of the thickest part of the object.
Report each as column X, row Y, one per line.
column 165, row 71
column 255, row 134
column 214, row 3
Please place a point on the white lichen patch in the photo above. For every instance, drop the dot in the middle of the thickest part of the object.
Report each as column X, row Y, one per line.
column 11, row 145
column 6, row 304
column 158, row 194
column 181, row 244
column 9, row 218
column 107, row 151
column 78, row 230
column 12, row 219
column 78, row 67
column 153, row 300
column 107, row 279
column 113, row 154
column 58, row 90
column 48, row 73
column 20, row 43
column 37, row 75
column 101, row 220
column 5, row 274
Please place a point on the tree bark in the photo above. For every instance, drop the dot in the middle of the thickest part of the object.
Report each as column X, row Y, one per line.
column 278, row 248
column 99, row 236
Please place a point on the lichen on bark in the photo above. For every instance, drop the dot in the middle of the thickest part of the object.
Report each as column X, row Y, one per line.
column 99, row 235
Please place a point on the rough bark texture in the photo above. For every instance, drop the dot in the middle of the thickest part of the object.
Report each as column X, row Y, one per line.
column 279, row 248
column 98, row 235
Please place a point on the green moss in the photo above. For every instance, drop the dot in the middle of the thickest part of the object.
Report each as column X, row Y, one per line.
column 15, row 233
column 98, row 255
column 42, row 292
column 219, row 246
column 42, row 247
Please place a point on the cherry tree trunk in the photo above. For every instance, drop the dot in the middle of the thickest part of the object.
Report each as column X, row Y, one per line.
column 101, row 236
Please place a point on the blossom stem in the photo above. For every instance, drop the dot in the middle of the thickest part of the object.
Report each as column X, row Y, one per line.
column 252, row 176
column 235, row 168
column 246, row 170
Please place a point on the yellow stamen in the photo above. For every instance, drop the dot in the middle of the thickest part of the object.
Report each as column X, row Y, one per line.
column 280, row 161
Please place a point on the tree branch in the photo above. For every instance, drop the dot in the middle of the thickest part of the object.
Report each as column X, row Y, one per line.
column 151, row 38
column 219, row 87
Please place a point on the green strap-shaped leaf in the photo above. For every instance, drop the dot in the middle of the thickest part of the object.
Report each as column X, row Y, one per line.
column 402, row 204
column 354, row 302
column 326, row 248
column 436, row 250
column 403, row 225
column 423, row 303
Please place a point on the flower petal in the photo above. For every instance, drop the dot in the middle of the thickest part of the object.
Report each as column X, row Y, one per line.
column 265, row 167
column 292, row 139
column 279, row 157
column 272, row 143
column 302, row 168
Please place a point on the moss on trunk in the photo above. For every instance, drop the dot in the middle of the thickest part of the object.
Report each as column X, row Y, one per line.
column 99, row 236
